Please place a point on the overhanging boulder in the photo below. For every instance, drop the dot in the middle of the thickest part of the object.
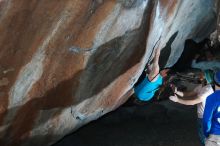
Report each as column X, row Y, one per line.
column 66, row 63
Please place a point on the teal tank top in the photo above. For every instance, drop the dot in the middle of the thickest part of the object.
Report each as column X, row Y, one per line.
column 146, row 89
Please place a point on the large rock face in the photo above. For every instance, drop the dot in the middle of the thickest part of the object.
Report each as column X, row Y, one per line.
column 65, row 63
column 215, row 36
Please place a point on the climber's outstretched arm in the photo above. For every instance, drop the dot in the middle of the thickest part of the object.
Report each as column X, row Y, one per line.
column 155, row 66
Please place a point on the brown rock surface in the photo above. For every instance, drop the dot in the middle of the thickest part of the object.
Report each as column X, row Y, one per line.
column 69, row 62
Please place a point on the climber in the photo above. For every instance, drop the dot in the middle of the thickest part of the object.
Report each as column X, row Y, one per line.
column 199, row 94
column 209, row 63
column 146, row 89
column 202, row 50
column 205, row 59
column 211, row 117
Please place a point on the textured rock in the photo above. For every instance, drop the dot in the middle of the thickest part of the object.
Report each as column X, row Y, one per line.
column 215, row 36
column 69, row 62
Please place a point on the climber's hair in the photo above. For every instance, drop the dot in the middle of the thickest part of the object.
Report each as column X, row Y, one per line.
column 166, row 68
column 169, row 73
